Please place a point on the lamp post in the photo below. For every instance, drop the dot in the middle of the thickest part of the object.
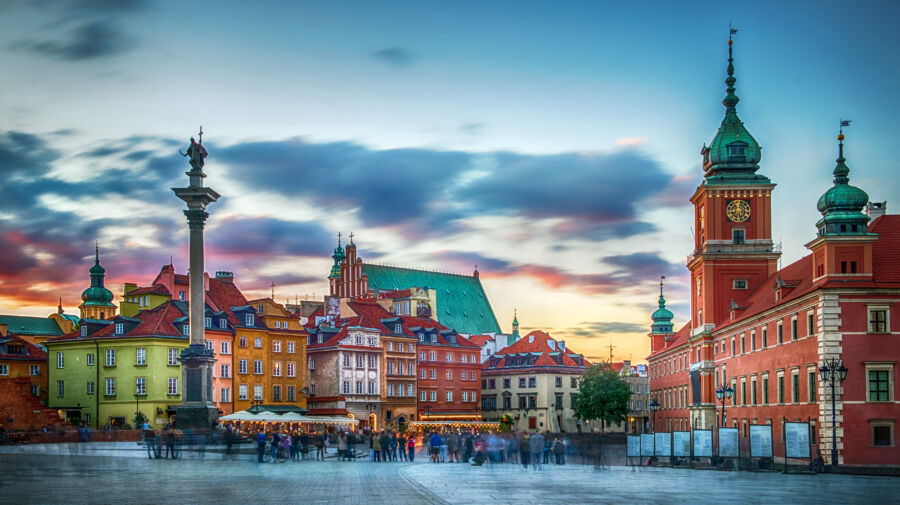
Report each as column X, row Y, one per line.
column 654, row 406
column 833, row 370
column 721, row 394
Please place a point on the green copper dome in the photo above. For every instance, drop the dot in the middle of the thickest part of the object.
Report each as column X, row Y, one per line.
column 733, row 155
column 662, row 317
column 842, row 205
column 97, row 294
column 338, row 257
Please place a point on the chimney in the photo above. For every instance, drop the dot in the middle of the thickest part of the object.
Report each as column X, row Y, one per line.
column 626, row 367
column 225, row 277
column 876, row 209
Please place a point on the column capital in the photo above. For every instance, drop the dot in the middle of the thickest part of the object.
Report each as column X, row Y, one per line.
column 196, row 218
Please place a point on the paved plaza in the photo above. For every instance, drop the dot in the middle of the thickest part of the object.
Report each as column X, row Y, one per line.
column 119, row 473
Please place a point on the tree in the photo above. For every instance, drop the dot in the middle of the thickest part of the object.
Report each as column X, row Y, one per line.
column 602, row 395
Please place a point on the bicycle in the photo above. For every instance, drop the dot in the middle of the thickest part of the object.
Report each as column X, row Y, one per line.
column 281, row 456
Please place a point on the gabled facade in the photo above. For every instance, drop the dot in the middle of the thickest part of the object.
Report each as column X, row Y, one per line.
column 20, row 358
column 449, row 372
column 533, row 381
column 766, row 332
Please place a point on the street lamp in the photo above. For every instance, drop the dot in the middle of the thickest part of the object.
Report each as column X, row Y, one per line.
column 654, row 406
column 833, row 370
column 255, row 406
column 721, row 394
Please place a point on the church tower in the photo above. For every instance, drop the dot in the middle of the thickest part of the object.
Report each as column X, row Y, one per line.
column 662, row 329
column 842, row 249
column 514, row 336
column 733, row 249
column 97, row 300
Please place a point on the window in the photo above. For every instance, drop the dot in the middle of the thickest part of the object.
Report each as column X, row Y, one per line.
column 390, row 390
column 449, row 357
column 347, row 361
column 140, row 386
column 360, row 361
column 879, row 383
column 224, row 371
column 743, row 391
column 449, row 375
column 521, row 382
column 34, row 370
column 432, row 396
column 532, row 401
column 811, row 385
column 172, row 386
column 110, row 386
column 373, row 362
column 732, row 346
column 276, row 346
column 257, row 367
column 779, row 332
column 422, row 374
column 743, row 344
column 432, row 374
column 878, row 319
column 409, row 391
column 449, row 396
column 735, row 150
column 290, row 369
column 794, row 328
column 210, row 345
column 182, row 296
column 4, row 369
column 242, row 366
column 60, row 360
column 559, row 382
column 84, row 330
column 173, row 357
column 765, row 390
column 120, row 328
column 224, row 347
column 882, row 433
column 573, row 382
column 810, row 330
column 739, row 284
column 242, row 342
column 257, row 342
column 291, row 394
column 346, row 387
column 432, row 356
column 463, row 357
column 434, row 338
column 276, row 393
column 207, row 322
column 781, row 389
column 795, row 387
column 223, row 323
column 242, row 392
column 110, row 357
column 737, row 235
column 90, row 388
column 140, row 356
column 752, row 341
column 249, row 319
column 60, row 389
column 765, row 335
column 507, row 402
column 423, row 396
column 360, row 387
column 390, row 367
column 224, row 395
column 372, row 389
column 532, row 382
column 312, row 363
column 257, row 392
column 186, row 330
column 290, row 346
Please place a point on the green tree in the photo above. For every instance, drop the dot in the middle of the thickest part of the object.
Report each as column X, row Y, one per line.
column 602, row 395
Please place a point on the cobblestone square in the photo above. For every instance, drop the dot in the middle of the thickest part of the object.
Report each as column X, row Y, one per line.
column 121, row 473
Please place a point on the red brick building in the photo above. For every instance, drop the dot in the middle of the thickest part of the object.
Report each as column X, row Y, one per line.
column 449, row 372
column 765, row 331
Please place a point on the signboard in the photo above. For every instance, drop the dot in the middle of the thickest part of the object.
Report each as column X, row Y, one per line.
column 728, row 442
column 663, row 444
column 633, row 450
column 646, row 444
column 760, row 440
column 681, row 443
column 796, row 440
column 703, row 444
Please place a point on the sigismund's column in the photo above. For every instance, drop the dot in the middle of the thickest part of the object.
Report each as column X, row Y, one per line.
column 197, row 411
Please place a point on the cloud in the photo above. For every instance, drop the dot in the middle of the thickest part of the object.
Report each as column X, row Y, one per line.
column 95, row 39
column 395, row 56
column 641, row 265
column 267, row 237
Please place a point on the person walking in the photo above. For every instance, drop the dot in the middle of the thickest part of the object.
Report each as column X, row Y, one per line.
column 319, row 442
column 512, row 449
column 229, row 439
column 342, row 446
column 435, row 444
column 547, row 442
column 452, row 441
column 295, row 446
column 385, row 440
column 392, row 446
column 304, row 445
column 401, row 444
column 524, row 450
column 468, row 447
column 537, row 449
column 260, row 447
column 411, row 447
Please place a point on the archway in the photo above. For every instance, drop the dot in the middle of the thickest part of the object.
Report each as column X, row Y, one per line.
column 373, row 422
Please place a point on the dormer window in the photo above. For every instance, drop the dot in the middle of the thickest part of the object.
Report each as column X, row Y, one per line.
column 120, row 328
column 421, row 337
column 84, row 330
column 434, row 338
column 737, row 149
column 186, row 330
column 223, row 323
column 249, row 319
column 398, row 329
column 181, row 296
column 207, row 322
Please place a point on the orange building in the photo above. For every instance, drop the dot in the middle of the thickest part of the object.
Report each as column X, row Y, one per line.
column 20, row 358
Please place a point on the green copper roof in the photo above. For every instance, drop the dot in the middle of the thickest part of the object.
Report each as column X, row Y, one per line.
column 97, row 294
column 842, row 205
column 338, row 257
column 461, row 302
column 24, row 325
column 662, row 317
column 733, row 155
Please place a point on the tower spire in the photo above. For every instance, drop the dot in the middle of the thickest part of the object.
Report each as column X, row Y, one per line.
column 731, row 100
column 842, row 205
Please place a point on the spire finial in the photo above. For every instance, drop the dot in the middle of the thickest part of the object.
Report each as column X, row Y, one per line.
column 59, row 309
column 339, row 239
column 351, row 237
column 97, row 251
column 841, row 171
column 731, row 99
column 273, row 290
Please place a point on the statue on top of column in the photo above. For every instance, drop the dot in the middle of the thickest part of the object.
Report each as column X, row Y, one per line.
column 196, row 152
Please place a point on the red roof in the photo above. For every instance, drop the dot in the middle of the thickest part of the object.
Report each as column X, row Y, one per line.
column 34, row 353
column 156, row 289
column 550, row 353
column 480, row 340
column 674, row 341
column 885, row 259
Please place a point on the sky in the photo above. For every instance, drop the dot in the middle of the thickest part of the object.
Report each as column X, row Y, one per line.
column 553, row 144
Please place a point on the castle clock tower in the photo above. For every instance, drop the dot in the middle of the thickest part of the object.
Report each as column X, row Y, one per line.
column 733, row 249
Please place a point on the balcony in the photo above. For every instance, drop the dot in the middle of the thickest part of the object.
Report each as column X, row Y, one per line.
column 763, row 248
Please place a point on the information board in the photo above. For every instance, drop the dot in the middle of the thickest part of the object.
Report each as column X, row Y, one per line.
column 796, row 440
column 633, row 450
column 646, row 444
column 681, row 443
column 703, row 444
column 728, row 442
column 663, row 444
column 760, row 440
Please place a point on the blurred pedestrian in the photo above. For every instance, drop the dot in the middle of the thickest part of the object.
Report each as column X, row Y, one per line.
column 537, row 449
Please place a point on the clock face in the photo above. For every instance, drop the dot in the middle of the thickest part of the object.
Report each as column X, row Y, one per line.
column 738, row 211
